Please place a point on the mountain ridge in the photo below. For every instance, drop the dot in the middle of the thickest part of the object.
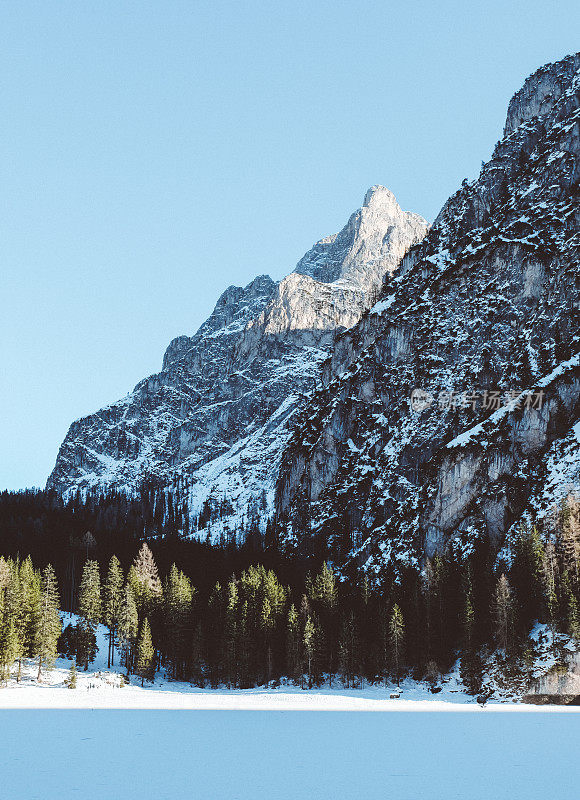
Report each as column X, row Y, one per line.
column 294, row 401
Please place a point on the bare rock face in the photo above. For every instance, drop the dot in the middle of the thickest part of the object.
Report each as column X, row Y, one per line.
column 541, row 92
column 482, row 318
column 212, row 425
column 369, row 247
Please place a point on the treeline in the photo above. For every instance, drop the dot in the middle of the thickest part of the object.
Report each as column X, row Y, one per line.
column 98, row 526
column 257, row 626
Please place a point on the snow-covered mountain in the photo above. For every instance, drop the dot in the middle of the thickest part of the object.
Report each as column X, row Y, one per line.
column 214, row 422
column 484, row 310
column 397, row 392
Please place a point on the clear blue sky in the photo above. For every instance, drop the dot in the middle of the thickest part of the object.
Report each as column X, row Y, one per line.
column 152, row 153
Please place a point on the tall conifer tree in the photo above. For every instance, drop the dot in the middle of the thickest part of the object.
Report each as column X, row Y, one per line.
column 397, row 637
column 127, row 628
column 145, row 653
column 113, row 597
column 49, row 625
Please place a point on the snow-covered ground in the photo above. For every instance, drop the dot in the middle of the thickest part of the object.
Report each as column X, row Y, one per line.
column 242, row 755
column 105, row 750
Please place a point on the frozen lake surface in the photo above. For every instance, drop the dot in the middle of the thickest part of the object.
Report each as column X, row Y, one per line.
column 315, row 755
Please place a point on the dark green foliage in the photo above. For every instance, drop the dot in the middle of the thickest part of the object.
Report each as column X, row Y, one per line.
column 349, row 650
column 526, row 575
column 293, row 657
column 503, row 614
column 242, row 616
column 471, row 661
column 30, row 591
column 85, row 643
column 66, row 645
column 90, row 610
column 397, row 640
column 78, row 642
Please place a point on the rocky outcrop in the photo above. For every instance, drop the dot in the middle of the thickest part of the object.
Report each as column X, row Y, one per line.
column 485, row 310
column 213, row 423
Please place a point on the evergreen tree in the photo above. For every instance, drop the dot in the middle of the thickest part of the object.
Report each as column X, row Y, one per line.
column 384, row 650
column 9, row 646
column 243, row 645
column 12, row 636
column 113, row 598
column 86, row 643
column 71, row 680
column 178, row 596
column 573, row 617
column 268, row 625
column 550, row 574
column 4, row 576
column 570, row 611
column 367, row 628
column 397, row 638
column 30, row 590
column 90, row 607
column 503, row 614
column 249, row 632
column 323, row 594
column 215, row 637
column 90, row 610
column 196, row 658
column 428, row 584
column 471, row 661
column 49, row 625
column 144, row 579
column 127, row 628
column 349, row 650
column 444, row 606
column 569, row 538
column 483, row 584
column 145, row 653
column 293, row 658
column 527, row 576
column 309, row 645
column 231, row 634
column 323, row 588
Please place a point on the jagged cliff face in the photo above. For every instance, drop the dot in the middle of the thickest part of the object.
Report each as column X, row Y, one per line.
column 487, row 303
column 214, row 422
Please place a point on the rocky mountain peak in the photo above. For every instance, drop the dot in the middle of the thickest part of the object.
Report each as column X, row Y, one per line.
column 380, row 196
column 542, row 90
column 370, row 245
